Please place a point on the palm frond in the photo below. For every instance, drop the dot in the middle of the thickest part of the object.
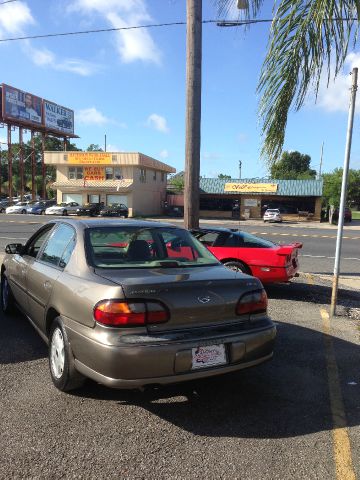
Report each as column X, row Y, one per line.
column 307, row 36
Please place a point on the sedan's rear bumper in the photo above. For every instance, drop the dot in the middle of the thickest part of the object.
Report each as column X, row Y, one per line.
column 158, row 362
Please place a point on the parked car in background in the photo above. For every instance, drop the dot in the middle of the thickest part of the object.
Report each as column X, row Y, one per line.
column 347, row 215
column 90, row 209
column 241, row 251
column 64, row 208
column 19, row 207
column 115, row 210
column 4, row 204
column 272, row 215
column 39, row 208
column 132, row 303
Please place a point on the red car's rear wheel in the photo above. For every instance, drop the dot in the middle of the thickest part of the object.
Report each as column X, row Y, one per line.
column 237, row 266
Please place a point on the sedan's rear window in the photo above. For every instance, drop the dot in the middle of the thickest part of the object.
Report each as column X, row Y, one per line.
column 145, row 247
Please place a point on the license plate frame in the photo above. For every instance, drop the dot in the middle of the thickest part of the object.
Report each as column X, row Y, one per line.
column 208, row 356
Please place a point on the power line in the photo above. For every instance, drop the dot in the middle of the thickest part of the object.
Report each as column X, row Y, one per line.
column 8, row 1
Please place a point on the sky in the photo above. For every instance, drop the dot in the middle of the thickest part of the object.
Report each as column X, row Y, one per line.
column 130, row 85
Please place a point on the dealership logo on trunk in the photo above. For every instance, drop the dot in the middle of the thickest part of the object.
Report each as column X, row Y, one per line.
column 204, row 299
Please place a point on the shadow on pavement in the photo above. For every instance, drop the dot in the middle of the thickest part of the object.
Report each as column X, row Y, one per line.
column 304, row 292
column 286, row 397
column 19, row 342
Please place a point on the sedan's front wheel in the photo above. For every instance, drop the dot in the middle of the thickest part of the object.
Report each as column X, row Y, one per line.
column 7, row 299
column 65, row 212
column 62, row 370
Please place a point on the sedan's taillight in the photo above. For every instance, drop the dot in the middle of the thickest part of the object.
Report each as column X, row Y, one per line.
column 253, row 302
column 117, row 313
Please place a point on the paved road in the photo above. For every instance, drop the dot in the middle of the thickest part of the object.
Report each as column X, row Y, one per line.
column 317, row 255
column 275, row 421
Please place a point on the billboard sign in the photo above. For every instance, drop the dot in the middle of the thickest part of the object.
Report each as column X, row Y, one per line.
column 23, row 107
column 89, row 158
column 58, row 118
column 251, row 187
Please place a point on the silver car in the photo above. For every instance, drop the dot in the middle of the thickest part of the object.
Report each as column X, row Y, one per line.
column 131, row 303
column 272, row 215
column 65, row 208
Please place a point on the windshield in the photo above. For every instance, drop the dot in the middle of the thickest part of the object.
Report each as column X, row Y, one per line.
column 149, row 247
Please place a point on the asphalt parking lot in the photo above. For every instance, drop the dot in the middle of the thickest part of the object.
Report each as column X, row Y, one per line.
column 290, row 418
column 297, row 416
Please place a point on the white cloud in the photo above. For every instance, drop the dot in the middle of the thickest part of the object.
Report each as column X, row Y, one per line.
column 14, row 18
column 157, row 122
column 2, row 141
column 210, row 156
column 91, row 116
column 43, row 57
column 336, row 97
column 112, row 148
column 164, row 154
column 132, row 45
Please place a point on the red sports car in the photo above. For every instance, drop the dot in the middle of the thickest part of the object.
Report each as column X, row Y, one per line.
column 247, row 253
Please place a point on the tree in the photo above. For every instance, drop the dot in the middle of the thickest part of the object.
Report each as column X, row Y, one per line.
column 94, row 147
column 332, row 188
column 307, row 37
column 222, row 176
column 292, row 166
column 177, row 183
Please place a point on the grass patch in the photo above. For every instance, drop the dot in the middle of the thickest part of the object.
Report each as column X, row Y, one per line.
column 356, row 215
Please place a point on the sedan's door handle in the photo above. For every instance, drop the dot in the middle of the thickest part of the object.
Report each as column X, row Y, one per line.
column 47, row 285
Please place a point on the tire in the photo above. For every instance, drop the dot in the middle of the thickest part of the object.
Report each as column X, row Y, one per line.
column 42, row 212
column 237, row 266
column 64, row 213
column 7, row 300
column 61, row 363
column 23, row 211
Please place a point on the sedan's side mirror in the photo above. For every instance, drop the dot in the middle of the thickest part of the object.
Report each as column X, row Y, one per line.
column 13, row 248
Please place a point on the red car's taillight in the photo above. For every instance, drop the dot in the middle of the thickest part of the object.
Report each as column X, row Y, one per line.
column 117, row 313
column 253, row 302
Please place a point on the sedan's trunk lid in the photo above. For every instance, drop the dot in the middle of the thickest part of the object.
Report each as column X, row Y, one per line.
column 195, row 296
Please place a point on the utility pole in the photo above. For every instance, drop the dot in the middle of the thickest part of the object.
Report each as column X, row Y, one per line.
column 33, row 166
column 321, row 159
column 105, row 143
column 343, row 193
column 193, row 112
column 10, row 179
column 21, row 162
column 240, row 165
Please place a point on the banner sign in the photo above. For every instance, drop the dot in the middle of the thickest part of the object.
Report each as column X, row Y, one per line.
column 89, row 158
column 251, row 187
column 58, row 118
column 21, row 106
column 94, row 173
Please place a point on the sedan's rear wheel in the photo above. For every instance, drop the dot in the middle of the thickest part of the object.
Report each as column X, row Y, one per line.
column 62, row 370
column 65, row 212
column 23, row 211
column 237, row 266
column 42, row 212
column 7, row 299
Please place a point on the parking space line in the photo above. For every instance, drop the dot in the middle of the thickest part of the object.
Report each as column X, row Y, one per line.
column 341, row 441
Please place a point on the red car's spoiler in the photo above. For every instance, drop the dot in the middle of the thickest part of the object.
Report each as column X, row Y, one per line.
column 288, row 249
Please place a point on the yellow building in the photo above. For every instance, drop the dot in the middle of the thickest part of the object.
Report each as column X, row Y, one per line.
column 134, row 179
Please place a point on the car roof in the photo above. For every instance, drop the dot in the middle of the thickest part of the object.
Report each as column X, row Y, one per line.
column 109, row 222
column 216, row 229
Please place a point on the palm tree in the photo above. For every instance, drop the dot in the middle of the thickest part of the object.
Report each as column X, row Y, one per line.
column 307, row 38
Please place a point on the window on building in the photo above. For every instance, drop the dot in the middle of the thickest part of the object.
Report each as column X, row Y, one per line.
column 75, row 173
column 142, row 175
column 117, row 173
column 154, row 176
column 113, row 173
column 109, row 173
column 163, row 176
